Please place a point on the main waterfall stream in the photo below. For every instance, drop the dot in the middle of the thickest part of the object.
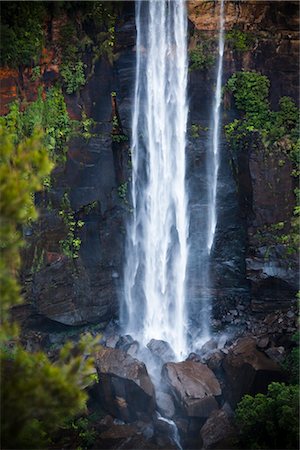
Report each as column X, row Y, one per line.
column 157, row 249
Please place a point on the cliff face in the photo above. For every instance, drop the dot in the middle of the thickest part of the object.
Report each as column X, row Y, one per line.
column 255, row 187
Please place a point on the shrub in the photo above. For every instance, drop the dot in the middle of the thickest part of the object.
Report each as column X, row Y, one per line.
column 239, row 40
column 22, row 34
column 270, row 421
column 73, row 76
column 50, row 114
column 201, row 57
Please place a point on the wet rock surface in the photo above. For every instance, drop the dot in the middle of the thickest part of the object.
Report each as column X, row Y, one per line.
column 161, row 350
column 193, row 386
column 125, row 388
column 217, row 430
column 248, row 370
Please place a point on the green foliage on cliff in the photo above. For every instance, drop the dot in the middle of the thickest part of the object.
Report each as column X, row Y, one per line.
column 37, row 395
column 239, row 40
column 278, row 131
column 22, row 34
column 71, row 244
column 250, row 91
column 270, row 421
column 72, row 66
column 49, row 114
column 292, row 361
column 202, row 56
column 73, row 75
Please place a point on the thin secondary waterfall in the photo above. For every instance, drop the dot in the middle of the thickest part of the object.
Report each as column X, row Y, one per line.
column 214, row 161
column 212, row 167
column 157, row 250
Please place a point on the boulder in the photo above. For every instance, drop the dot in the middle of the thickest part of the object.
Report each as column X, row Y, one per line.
column 124, row 389
column 194, row 387
column 126, row 436
column 277, row 354
column 161, row 350
column 165, row 404
column 248, row 371
column 217, row 430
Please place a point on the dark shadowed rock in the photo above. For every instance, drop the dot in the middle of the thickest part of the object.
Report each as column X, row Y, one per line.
column 124, row 342
column 194, row 357
column 209, row 346
column 125, row 388
column 214, row 361
column 133, row 349
column 217, row 430
column 165, row 404
column 127, row 436
column 194, row 386
column 248, row 370
column 66, row 295
column 277, row 354
column 161, row 350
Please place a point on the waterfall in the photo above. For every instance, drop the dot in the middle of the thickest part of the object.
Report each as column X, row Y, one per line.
column 157, row 250
column 214, row 159
column 212, row 167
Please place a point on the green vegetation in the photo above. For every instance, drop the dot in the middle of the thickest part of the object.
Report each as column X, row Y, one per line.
column 71, row 244
column 239, row 40
column 251, row 91
column 104, row 15
column 73, row 75
column 22, row 34
column 37, row 395
column 202, row 57
column 117, row 135
column 84, row 127
column 122, row 191
column 270, row 421
column 23, row 165
column 292, row 362
column 277, row 131
column 196, row 129
column 49, row 114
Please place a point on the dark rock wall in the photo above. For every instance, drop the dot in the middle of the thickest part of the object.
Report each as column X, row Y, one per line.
column 88, row 289
column 255, row 188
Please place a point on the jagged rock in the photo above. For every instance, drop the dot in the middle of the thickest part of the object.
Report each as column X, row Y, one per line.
column 67, row 296
column 194, row 387
column 209, row 346
column 127, row 436
column 124, row 342
column 248, row 370
column 124, row 388
column 277, row 354
column 112, row 341
column 194, row 357
column 263, row 342
column 161, row 350
column 214, row 361
column 133, row 349
column 165, row 404
column 217, row 430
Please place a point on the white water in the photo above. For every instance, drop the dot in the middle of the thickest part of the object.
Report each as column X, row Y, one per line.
column 215, row 158
column 157, row 251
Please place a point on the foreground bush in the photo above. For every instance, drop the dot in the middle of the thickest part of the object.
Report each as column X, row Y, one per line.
column 270, row 421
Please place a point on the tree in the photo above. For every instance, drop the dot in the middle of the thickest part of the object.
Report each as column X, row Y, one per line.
column 37, row 395
column 271, row 420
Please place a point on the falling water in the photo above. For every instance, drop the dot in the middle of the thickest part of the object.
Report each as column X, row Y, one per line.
column 214, row 161
column 156, row 256
column 212, row 168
